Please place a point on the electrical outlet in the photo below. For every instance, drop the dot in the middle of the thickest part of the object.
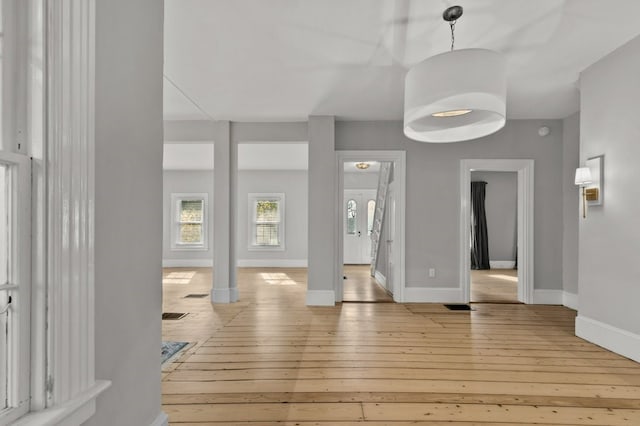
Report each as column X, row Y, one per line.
column 432, row 272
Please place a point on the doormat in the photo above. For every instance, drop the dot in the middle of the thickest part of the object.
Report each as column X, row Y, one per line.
column 169, row 349
column 458, row 307
column 173, row 315
column 196, row 296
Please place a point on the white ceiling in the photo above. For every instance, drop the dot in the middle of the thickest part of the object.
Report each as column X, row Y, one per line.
column 257, row 60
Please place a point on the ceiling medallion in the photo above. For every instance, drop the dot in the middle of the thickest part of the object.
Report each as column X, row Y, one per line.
column 455, row 96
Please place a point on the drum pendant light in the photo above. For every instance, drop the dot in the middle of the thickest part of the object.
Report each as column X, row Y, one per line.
column 457, row 95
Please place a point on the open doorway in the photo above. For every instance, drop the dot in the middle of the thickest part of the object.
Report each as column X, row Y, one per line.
column 369, row 219
column 359, row 205
column 523, row 276
column 494, row 238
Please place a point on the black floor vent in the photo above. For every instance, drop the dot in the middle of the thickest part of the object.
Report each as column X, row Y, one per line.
column 173, row 315
column 196, row 296
column 458, row 307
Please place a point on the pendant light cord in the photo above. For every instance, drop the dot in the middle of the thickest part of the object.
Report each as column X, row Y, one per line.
column 452, row 24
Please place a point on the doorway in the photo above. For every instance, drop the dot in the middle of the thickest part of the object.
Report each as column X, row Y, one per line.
column 525, row 210
column 359, row 206
column 494, row 242
column 356, row 203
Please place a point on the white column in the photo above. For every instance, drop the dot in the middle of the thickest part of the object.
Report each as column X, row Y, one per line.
column 322, row 269
column 225, row 164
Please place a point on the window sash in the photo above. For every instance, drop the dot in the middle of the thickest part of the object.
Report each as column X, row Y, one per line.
column 189, row 231
column 266, row 230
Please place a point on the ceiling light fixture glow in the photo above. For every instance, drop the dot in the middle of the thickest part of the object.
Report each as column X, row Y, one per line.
column 452, row 113
column 452, row 85
column 362, row 166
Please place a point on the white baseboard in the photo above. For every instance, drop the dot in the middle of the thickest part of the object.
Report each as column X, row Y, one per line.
column 321, row 298
column 570, row 300
column 272, row 263
column 187, row 263
column 381, row 279
column 432, row 295
column 224, row 295
column 502, row 264
column 161, row 420
column 547, row 297
column 615, row 339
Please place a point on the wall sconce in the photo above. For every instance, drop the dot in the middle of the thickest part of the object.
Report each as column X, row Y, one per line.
column 583, row 178
column 590, row 179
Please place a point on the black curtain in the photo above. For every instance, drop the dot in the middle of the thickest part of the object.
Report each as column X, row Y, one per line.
column 479, row 239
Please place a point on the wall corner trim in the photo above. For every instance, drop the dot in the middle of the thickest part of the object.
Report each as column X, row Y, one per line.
column 570, row 300
column 161, row 420
column 321, row 298
column 433, row 295
column 547, row 297
column 615, row 339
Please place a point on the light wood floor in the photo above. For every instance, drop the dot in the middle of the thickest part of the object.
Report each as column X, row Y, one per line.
column 271, row 360
column 494, row 286
column 359, row 286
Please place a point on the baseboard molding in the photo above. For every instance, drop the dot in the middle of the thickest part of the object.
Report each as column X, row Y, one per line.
column 187, row 263
column 615, row 339
column 161, row 420
column 272, row 263
column 321, row 298
column 570, row 300
column 547, row 297
column 502, row 264
column 432, row 295
column 381, row 279
column 224, row 295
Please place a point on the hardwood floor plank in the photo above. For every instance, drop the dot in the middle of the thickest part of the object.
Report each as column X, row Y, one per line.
column 264, row 412
column 497, row 413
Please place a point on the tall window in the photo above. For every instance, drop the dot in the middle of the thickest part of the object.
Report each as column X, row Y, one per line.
column 352, row 217
column 266, row 221
column 189, row 222
column 371, row 210
column 15, row 236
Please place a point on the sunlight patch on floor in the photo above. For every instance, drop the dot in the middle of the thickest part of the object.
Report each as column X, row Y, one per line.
column 504, row 277
column 277, row 278
column 183, row 277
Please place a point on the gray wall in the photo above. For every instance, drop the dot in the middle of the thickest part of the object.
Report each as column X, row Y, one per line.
column 501, row 205
column 433, row 198
column 186, row 181
column 366, row 180
column 610, row 236
column 571, row 204
column 128, row 223
column 294, row 185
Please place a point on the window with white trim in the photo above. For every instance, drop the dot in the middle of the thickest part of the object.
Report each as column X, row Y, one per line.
column 15, row 234
column 266, row 221
column 189, row 221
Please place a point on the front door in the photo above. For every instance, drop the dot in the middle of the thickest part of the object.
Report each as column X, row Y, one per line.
column 359, row 206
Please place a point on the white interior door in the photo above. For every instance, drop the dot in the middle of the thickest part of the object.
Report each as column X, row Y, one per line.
column 359, row 206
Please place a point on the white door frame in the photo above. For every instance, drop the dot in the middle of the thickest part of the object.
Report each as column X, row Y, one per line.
column 524, row 168
column 399, row 173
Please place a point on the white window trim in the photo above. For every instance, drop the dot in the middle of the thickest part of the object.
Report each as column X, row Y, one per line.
column 176, row 198
column 63, row 384
column 252, row 199
column 19, row 352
